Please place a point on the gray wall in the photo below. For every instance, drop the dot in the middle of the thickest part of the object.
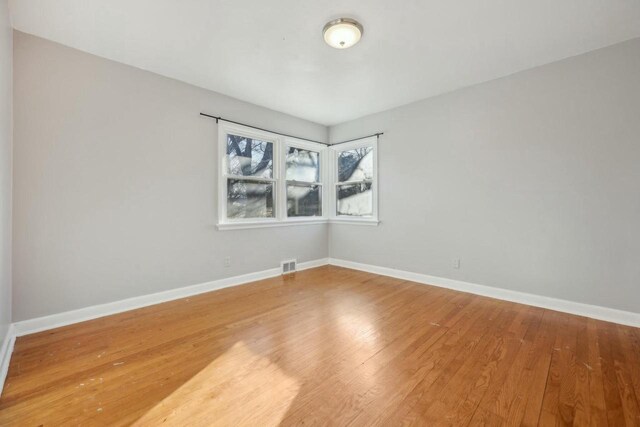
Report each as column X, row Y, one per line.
column 115, row 184
column 533, row 181
column 6, row 83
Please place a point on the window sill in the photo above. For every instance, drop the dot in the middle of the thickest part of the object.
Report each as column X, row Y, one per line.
column 311, row 221
column 267, row 224
column 354, row 221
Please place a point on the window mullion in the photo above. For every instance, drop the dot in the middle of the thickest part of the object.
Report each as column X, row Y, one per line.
column 249, row 178
column 363, row 181
column 302, row 183
column 281, row 195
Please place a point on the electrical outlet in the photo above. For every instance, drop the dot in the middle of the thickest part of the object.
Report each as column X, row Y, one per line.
column 456, row 263
column 227, row 261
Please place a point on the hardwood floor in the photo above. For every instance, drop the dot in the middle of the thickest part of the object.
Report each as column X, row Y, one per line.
column 328, row 346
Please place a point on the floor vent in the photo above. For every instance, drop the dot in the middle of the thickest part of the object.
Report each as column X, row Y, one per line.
column 288, row 266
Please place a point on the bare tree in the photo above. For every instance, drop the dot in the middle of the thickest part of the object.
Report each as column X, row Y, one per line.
column 252, row 148
column 348, row 162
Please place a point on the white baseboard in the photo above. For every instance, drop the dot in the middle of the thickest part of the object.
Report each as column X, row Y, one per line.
column 5, row 354
column 580, row 309
column 312, row 264
column 40, row 324
column 67, row 318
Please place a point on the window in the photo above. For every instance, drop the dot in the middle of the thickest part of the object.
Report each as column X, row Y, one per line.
column 355, row 181
column 249, row 177
column 268, row 180
column 304, row 187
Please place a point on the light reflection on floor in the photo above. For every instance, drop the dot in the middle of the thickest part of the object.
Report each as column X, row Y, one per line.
column 253, row 384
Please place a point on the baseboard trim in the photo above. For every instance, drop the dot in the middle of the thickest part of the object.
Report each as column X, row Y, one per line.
column 580, row 309
column 312, row 264
column 53, row 321
column 5, row 355
column 40, row 324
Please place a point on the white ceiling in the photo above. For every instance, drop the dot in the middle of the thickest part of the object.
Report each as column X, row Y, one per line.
column 271, row 52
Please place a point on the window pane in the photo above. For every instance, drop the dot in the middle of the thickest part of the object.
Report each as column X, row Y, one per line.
column 304, row 200
column 249, row 157
column 355, row 199
column 249, row 199
column 303, row 165
column 355, row 165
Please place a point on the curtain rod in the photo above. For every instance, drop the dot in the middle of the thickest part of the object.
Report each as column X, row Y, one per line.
column 218, row 118
column 377, row 135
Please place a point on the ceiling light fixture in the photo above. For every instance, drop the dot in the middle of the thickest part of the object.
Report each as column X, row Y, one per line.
column 342, row 33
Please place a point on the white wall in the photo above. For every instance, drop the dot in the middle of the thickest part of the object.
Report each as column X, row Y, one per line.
column 533, row 181
column 115, row 184
column 6, row 83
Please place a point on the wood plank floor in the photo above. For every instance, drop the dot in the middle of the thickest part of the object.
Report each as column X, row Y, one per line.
column 328, row 346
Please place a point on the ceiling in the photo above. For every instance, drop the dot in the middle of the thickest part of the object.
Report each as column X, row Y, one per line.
column 271, row 53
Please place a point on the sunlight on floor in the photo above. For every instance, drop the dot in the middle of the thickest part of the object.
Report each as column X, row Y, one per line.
column 248, row 390
column 358, row 327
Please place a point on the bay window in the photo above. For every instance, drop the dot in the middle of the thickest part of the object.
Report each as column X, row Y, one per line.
column 266, row 179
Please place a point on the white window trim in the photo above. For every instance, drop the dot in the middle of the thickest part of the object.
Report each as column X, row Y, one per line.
column 334, row 218
column 328, row 180
column 280, row 143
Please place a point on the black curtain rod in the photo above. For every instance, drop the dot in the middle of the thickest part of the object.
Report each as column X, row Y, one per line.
column 377, row 135
column 284, row 134
column 263, row 129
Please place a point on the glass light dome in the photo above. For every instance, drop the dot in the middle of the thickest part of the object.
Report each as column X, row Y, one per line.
column 342, row 33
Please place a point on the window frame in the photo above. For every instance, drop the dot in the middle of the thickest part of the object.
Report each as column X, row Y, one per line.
column 335, row 151
column 322, row 182
column 280, row 146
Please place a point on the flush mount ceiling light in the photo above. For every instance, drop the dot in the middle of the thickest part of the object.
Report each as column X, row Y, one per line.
column 342, row 33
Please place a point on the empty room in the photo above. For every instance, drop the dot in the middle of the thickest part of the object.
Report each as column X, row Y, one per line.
column 286, row 212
